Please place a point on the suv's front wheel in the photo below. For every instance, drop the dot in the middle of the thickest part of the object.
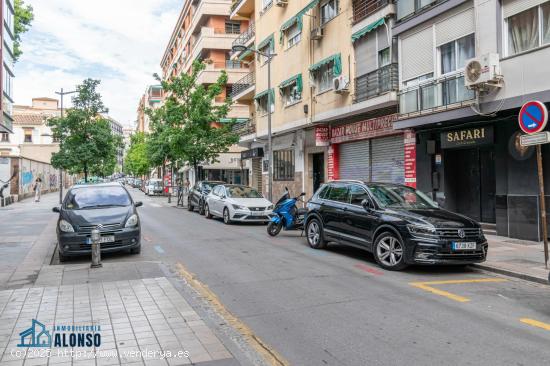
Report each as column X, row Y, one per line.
column 314, row 232
column 389, row 252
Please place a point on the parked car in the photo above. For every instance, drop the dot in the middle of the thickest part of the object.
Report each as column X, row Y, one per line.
column 137, row 183
column 154, row 186
column 107, row 206
column 398, row 224
column 197, row 194
column 130, row 181
column 235, row 202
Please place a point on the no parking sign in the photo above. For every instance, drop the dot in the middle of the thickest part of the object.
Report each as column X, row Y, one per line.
column 533, row 117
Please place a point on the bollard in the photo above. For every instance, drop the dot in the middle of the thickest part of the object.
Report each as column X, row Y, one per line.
column 96, row 249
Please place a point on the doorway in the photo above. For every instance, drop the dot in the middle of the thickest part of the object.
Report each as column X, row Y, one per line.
column 318, row 162
column 470, row 183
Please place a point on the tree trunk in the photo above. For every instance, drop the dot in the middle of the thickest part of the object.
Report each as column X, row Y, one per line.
column 85, row 173
column 196, row 171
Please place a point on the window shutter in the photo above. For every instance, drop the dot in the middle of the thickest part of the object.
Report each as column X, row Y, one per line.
column 455, row 27
column 512, row 7
column 365, row 54
column 382, row 34
column 417, row 54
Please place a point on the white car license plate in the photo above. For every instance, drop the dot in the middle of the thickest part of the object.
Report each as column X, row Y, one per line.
column 103, row 239
column 464, row 245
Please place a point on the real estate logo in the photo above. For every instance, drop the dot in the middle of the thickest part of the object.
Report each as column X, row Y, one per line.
column 62, row 336
column 35, row 336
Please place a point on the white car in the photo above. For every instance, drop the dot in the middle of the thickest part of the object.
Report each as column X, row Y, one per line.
column 237, row 203
column 154, row 186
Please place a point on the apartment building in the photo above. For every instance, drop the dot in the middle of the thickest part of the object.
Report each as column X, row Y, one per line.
column 334, row 92
column 151, row 99
column 6, row 52
column 205, row 32
column 468, row 154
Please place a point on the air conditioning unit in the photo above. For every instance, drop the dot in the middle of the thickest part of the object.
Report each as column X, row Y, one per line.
column 281, row 3
column 317, row 33
column 340, row 84
column 483, row 70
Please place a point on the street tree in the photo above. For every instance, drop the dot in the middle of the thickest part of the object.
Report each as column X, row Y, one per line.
column 187, row 120
column 86, row 142
column 23, row 17
column 136, row 162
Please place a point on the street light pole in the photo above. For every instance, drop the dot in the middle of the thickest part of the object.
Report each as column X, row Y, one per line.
column 62, row 93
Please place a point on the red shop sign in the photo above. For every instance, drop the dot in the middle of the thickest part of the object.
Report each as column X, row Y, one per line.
column 322, row 136
column 375, row 127
column 410, row 158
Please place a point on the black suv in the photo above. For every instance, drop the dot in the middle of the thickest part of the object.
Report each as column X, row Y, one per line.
column 398, row 224
column 197, row 194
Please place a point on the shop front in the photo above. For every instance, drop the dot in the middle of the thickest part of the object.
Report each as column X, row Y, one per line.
column 255, row 156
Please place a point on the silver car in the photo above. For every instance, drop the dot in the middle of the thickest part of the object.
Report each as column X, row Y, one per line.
column 237, row 203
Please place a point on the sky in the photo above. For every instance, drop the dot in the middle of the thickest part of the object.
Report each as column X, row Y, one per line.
column 120, row 42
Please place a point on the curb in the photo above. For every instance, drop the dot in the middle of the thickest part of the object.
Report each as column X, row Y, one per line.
column 523, row 276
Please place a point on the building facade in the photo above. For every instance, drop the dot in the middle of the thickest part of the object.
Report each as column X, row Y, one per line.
column 117, row 130
column 6, row 82
column 205, row 32
column 151, row 99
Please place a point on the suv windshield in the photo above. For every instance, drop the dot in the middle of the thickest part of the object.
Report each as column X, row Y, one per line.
column 390, row 196
column 96, row 197
column 242, row 192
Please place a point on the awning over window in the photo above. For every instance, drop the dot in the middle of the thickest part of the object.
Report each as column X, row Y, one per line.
column 245, row 54
column 236, row 120
column 297, row 19
column 336, row 67
column 268, row 41
column 295, row 79
column 264, row 93
column 360, row 33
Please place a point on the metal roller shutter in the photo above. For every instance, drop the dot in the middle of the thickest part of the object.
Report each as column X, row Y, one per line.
column 455, row 27
column 388, row 156
column 354, row 160
column 417, row 54
column 512, row 7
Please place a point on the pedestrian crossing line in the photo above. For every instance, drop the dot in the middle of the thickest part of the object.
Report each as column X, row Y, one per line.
column 427, row 286
column 271, row 356
column 535, row 323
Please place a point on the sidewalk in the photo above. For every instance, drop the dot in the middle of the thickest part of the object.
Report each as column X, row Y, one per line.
column 517, row 258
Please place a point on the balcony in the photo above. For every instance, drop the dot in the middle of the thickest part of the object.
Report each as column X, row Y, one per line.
column 243, row 128
column 435, row 96
column 235, row 71
column 244, row 88
column 241, row 9
column 364, row 8
column 244, row 39
column 376, row 83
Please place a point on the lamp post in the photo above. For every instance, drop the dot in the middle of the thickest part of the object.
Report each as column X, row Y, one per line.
column 62, row 93
column 269, row 57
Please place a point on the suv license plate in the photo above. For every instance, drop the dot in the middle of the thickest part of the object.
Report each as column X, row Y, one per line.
column 464, row 246
column 103, row 239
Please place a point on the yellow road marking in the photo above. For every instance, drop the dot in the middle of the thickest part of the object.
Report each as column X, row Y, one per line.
column 427, row 286
column 270, row 355
column 535, row 323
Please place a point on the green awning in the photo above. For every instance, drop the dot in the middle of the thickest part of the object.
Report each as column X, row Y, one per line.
column 264, row 93
column 245, row 54
column 295, row 79
column 229, row 120
column 336, row 67
column 360, row 33
column 268, row 41
column 296, row 19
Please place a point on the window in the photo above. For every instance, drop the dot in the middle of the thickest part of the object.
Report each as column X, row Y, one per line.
column 261, row 104
column 454, row 54
column 357, row 195
column 328, row 11
column 323, row 192
column 291, row 95
column 408, row 7
column 323, row 77
column 4, row 137
column 27, row 134
column 529, row 29
column 232, row 27
column 267, row 49
column 384, row 57
column 293, row 34
column 283, row 165
column 82, row 198
column 339, row 194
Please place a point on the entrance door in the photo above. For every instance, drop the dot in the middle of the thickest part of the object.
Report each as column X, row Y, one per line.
column 470, row 183
column 318, row 170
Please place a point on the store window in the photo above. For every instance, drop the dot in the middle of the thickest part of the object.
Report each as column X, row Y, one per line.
column 283, row 165
column 4, row 137
column 27, row 134
column 529, row 29
column 329, row 10
column 323, row 77
column 291, row 94
column 294, row 35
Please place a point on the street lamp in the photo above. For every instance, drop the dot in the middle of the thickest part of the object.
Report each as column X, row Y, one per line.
column 62, row 94
column 269, row 57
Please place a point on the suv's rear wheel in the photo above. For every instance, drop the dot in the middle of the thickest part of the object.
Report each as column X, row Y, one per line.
column 314, row 232
column 389, row 252
column 190, row 206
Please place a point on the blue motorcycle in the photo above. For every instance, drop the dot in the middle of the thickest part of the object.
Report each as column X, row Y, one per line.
column 286, row 215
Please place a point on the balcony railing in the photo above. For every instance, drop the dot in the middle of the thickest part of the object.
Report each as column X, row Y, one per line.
column 375, row 83
column 243, row 84
column 235, row 3
column 364, row 8
column 244, row 127
column 409, row 8
column 227, row 64
column 435, row 96
column 245, row 36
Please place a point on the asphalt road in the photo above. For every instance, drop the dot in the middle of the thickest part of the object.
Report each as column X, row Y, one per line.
column 337, row 307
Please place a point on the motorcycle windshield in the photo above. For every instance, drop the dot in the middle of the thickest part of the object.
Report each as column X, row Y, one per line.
column 282, row 199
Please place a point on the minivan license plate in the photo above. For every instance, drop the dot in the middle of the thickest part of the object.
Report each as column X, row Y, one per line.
column 464, row 246
column 103, row 239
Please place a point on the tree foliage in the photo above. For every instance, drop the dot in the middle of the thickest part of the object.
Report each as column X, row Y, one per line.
column 23, row 18
column 183, row 127
column 137, row 162
column 87, row 143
